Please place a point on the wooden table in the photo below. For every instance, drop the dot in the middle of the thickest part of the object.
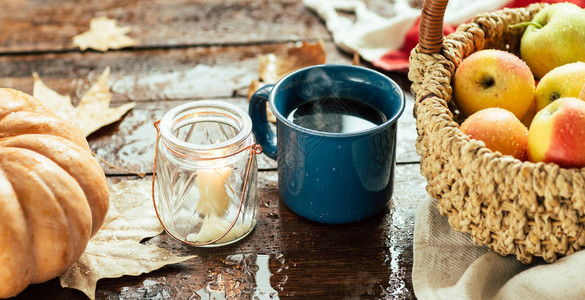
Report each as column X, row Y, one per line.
column 192, row 50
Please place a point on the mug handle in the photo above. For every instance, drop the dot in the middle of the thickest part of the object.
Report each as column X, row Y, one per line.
column 262, row 131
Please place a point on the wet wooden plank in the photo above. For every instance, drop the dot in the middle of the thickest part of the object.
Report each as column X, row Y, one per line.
column 149, row 75
column 368, row 259
column 40, row 26
column 406, row 135
column 130, row 142
column 156, row 79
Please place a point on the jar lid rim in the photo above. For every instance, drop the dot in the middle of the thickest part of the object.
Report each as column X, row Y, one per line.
column 170, row 117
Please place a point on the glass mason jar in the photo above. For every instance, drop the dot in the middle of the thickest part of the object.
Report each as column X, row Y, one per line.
column 206, row 173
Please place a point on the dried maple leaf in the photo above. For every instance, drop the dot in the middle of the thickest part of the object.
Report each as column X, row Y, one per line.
column 274, row 66
column 104, row 34
column 116, row 250
column 93, row 110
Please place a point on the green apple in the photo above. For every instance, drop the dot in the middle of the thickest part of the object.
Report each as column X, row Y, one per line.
column 554, row 37
column 493, row 78
column 563, row 81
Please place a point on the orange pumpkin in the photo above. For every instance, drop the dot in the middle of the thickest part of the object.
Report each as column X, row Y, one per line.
column 53, row 193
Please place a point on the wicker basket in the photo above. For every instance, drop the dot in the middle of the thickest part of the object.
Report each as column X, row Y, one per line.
column 521, row 208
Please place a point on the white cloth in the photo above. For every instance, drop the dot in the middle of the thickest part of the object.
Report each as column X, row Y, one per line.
column 448, row 265
column 373, row 36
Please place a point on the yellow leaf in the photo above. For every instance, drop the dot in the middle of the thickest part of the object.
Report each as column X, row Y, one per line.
column 93, row 110
column 104, row 34
column 116, row 250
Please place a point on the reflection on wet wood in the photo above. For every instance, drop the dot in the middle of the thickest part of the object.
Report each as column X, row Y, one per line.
column 148, row 75
column 286, row 255
column 130, row 143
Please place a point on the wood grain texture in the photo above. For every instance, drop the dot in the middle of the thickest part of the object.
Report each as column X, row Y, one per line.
column 148, row 75
column 157, row 23
column 153, row 75
column 160, row 80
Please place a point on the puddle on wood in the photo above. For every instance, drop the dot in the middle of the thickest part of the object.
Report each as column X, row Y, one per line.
column 243, row 276
column 240, row 276
column 398, row 235
column 396, row 223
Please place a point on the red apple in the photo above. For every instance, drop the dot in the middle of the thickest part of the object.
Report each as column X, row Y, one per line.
column 557, row 133
column 500, row 130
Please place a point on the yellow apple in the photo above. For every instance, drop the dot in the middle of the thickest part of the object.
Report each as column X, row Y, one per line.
column 561, row 82
column 557, row 133
column 493, row 78
column 500, row 130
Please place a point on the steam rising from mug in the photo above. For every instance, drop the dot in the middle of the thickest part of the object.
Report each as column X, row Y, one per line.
column 317, row 84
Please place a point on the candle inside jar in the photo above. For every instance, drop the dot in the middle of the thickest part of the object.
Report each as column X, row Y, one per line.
column 213, row 196
column 213, row 203
column 213, row 227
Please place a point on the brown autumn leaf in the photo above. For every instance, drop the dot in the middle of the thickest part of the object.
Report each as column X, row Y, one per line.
column 252, row 88
column 277, row 65
column 116, row 250
column 103, row 35
column 274, row 66
column 93, row 110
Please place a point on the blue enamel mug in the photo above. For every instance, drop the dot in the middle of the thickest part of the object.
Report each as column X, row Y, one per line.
column 333, row 176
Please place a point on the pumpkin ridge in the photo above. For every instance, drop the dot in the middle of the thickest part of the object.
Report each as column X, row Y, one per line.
column 54, row 237
column 27, row 122
column 13, row 101
column 20, row 261
column 78, row 237
column 81, row 165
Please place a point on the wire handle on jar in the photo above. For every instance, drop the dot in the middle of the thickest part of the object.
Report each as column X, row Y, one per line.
column 255, row 149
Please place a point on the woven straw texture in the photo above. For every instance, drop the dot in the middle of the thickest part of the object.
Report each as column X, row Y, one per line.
column 521, row 208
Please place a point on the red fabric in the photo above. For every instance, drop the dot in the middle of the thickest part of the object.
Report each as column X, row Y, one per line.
column 397, row 60
column 522, row 3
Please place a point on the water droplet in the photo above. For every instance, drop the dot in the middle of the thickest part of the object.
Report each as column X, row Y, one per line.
column 254, row 268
